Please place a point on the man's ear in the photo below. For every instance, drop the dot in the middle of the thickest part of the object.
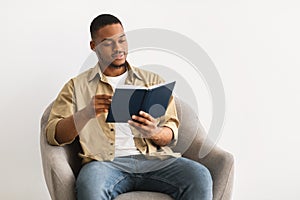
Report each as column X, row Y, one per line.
column 92, row 45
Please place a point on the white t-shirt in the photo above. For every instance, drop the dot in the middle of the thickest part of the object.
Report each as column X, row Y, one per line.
column 124, row 143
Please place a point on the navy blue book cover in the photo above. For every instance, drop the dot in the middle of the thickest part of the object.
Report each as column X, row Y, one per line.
column 129, row 100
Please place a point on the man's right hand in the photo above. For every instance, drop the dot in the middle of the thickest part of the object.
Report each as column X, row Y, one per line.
column 67, row 129
column 99, row 104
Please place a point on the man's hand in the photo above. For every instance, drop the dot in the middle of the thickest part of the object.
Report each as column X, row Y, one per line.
column 145, row 124
column 98, row 104
column 67, row 129
column 148, row 128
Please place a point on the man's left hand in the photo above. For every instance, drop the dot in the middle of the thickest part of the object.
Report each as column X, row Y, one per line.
column 145, row 124
column 148, row 128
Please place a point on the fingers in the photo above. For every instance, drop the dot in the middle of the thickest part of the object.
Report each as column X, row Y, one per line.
column 103, row 96
column 145, row 124
column 144, row 130
column 141, row 120
column 139, row 125
column 101, row 103
column 146, row 116
column 100, row 109
column 102, row 99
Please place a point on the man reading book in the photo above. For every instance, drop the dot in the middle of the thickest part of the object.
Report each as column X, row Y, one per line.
column 121, row 157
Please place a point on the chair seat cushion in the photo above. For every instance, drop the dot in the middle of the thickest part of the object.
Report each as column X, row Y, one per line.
column 143, row 195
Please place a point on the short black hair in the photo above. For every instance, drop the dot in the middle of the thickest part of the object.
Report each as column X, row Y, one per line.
column 101, row 21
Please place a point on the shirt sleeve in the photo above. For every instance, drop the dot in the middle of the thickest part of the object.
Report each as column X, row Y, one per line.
column 170, row 120
column 63, row 107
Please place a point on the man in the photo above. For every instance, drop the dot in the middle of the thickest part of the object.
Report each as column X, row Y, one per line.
column 121, row 157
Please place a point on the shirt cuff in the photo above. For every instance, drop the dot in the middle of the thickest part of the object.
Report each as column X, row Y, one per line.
column 173, row 127
column 50, row 133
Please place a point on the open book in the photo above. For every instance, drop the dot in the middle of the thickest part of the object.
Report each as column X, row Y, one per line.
column 128, row 100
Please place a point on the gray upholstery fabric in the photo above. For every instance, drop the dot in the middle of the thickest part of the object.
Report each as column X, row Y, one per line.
column 62, row 164
column 143, row 195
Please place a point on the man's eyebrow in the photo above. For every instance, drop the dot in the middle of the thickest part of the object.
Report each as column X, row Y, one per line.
column 110, row 38
column 105, row 39
column 122, row 35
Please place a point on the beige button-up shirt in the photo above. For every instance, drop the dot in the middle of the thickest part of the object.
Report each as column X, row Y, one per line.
column 97, row 138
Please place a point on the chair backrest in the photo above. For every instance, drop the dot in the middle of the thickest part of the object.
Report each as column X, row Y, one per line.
column 190, row 130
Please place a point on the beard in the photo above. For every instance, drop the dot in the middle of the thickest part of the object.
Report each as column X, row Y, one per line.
column 117, row 66
column 109, row 61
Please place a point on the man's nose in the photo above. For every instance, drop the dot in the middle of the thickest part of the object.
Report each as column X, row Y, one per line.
column 117, row 47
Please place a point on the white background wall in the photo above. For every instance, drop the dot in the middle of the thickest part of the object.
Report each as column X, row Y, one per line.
column 254, row 45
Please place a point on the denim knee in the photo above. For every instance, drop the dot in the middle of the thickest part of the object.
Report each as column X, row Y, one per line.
column 203, row 178
column 91, row 183
column 198, row 182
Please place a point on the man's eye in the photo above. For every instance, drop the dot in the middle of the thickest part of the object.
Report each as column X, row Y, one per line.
column 106, row 44
column 121, row 41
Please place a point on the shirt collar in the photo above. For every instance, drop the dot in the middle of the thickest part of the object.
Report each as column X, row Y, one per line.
column 96, row 72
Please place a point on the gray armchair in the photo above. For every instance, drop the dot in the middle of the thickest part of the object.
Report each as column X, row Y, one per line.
column 62, row 164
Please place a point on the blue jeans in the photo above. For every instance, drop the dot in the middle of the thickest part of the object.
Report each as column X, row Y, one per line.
column 180, row 178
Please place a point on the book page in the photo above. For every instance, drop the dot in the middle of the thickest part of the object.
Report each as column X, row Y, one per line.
column 142, row 87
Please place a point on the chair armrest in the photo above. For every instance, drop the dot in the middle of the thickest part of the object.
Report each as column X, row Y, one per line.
column 221, row 166
column 191, row 139
column 58, row 173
